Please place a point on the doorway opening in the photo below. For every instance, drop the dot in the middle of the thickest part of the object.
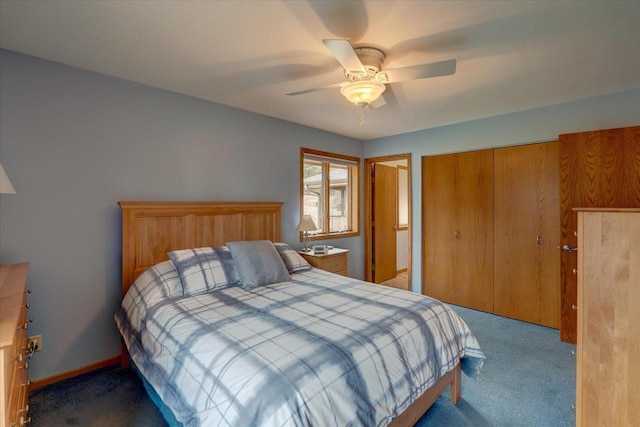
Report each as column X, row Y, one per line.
column 387, row 222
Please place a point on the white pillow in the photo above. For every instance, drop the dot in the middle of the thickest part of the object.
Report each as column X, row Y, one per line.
column 204, row 269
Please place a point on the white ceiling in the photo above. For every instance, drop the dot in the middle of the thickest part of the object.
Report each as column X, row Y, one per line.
column 512, row 55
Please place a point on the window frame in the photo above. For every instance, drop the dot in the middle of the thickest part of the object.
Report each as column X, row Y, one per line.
column 353, row 197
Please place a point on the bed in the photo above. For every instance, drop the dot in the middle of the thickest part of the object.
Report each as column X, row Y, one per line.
column 219, row 344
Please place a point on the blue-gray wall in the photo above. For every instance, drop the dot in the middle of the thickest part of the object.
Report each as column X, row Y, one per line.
column 74, row 143
column 538, row 125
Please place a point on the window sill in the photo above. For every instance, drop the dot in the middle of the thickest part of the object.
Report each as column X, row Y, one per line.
column 332, row 235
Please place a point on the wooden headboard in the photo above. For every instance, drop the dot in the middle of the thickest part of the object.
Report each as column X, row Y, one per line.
column 151, row 229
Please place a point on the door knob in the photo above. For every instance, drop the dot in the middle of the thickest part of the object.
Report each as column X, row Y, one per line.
column 569, row 248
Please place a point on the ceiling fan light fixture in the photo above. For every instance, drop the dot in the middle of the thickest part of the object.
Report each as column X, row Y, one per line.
column 362, row 93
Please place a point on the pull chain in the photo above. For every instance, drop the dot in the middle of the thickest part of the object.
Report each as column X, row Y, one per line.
column 362, row 116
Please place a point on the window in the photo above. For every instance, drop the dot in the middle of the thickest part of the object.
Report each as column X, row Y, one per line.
column 329, row 193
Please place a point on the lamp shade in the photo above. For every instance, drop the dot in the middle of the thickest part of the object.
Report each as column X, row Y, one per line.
column 5, row 184
column 362, row 93
column 306, row 224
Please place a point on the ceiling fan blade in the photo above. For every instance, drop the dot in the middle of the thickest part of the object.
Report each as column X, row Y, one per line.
column 316, row 89
column 434, row 69
column 380, row 102
column 346, row 19
column 344, row 53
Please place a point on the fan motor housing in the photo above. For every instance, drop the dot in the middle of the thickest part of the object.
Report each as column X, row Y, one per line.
column 372, row 60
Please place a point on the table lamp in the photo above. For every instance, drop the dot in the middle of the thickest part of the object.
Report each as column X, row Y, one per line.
column 5, row 184
column 306, row 225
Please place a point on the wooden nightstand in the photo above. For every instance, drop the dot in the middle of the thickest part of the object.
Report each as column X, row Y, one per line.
column 335, row 260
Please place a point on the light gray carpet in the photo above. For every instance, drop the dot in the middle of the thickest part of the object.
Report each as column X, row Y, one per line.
column 527, row 380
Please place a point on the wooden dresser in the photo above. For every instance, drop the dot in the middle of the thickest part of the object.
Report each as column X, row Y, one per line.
column 335, row 260
column 598, row 169
column 608, row 313
column 14, row 352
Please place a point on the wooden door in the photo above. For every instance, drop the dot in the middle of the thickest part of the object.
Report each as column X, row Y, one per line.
column 438, row 223
column 527, row 233
column 457, row 215
column 385, row 197
column 597, row 169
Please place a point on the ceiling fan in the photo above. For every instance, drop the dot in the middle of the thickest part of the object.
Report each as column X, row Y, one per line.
column 365, row 78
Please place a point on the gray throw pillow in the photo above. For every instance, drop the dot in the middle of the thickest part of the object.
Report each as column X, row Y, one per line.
column 258, row 263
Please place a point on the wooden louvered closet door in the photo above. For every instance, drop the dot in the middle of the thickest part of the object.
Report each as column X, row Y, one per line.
column 597, row 169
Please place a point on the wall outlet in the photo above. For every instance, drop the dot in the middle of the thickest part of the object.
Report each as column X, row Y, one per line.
column 35, row 342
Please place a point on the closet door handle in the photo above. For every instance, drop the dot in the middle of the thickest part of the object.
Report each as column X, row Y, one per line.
column 569, row 248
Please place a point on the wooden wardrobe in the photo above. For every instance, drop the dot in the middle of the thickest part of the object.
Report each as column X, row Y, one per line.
column 491, row 231
column 597, row 169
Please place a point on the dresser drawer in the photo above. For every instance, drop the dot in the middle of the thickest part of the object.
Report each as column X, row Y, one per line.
column 14, row 360
column 18, row 392
column 334, row 264
column 335, row 261
column 20, row 386
column 15, row 376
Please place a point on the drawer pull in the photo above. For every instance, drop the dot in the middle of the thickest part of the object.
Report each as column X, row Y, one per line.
column 573, row 406
column 25, row 421
column 28, row 349
column 18, row 359
column 574, row 307
column 24, row 326
column 27, row 306
column 25, row 366
column 30, row 352
column 28, row 291
column 573, row 352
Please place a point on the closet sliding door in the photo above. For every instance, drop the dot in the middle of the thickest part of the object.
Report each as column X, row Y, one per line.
column 491, row 231
column 457, row 224
column 526, row 282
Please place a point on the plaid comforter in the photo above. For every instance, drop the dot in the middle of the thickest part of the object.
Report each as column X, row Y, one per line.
column 320, row 350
